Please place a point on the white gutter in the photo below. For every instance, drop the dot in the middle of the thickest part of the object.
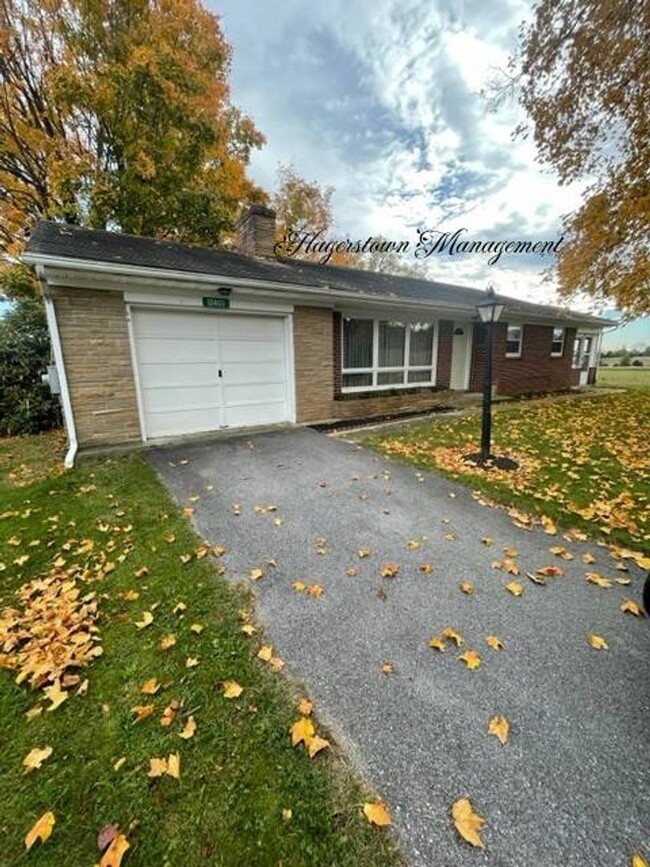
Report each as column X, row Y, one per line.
column 53, row 327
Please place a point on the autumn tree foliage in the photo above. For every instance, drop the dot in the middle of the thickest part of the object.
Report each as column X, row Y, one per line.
column 300, row 205
column 584, row 80
column 116, row 113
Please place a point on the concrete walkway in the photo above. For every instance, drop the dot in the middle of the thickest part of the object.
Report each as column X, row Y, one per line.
column 571, row 787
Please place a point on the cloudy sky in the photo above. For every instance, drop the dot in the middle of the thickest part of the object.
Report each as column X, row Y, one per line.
column 381, row 99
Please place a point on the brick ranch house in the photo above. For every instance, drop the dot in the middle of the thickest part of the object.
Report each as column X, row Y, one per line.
column 154, row 340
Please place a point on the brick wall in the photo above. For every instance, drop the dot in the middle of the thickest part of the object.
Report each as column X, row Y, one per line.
column 97, row 356
column 312, row 347
column 255, row 233
column 534, row 371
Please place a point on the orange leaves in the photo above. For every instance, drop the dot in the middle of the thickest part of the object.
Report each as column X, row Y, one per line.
column 53, row 631
column 468, row 823
column 377, row 813
column 389, row 570
column 313, row 590
column 142, row 711
column 466, row 587
column 41, row 830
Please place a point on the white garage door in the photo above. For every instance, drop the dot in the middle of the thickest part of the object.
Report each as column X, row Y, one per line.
column 205, row 371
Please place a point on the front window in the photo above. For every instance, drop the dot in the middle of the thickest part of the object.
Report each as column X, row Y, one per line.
column 384, row 354
column 557, row 344
column 513, row 341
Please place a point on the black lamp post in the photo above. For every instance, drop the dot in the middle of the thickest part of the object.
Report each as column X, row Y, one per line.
column 490, row 312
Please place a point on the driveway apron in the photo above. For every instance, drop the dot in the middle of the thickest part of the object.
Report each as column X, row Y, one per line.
column 571, row 785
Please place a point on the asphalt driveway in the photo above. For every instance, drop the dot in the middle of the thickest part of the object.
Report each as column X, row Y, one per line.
column 572, row 785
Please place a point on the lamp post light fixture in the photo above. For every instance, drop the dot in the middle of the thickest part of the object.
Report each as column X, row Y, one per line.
column 490, row 311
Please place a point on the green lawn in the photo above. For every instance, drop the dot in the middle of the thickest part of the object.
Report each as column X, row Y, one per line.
column 584, row 461
column 239, row 771
column 624, row 377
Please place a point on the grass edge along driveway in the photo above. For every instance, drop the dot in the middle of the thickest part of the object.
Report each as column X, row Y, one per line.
column 243, row 795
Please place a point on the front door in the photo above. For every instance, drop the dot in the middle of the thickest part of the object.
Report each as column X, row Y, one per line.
column 582, row 350
column 460, row 349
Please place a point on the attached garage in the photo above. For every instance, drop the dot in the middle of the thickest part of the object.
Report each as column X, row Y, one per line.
column 205, row 370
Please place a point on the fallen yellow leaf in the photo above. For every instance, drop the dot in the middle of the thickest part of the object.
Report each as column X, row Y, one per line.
column 471, row 659
column 467, row 587
column 305, row 707
column 390, row 570
column 265, row 652
column 189, row 730
column 256, row 573
column 142, row 711
column 638, row 860
column 150, row 687
column 437, row 643
column 41, row 830
column 35, row 758
column 499, row 727
column 113, row 855
column 231, row 689
column 157, row 768
column 119, row 764
column 597, row 579
column 467, row 822
column 197, row 628
column 597, row 642
column 425, row 568
column 316, row 590
column 167, row 641
column 56, row 695
column 387, row 667
column 377, row 813
column 452, row 636
column 494, row 642
column 174, row 766
column 191, row 662
column 632, row 607
column 315, row 745
column 147, row 620
column 302, row 731
column 248, row 629
column 515, row 588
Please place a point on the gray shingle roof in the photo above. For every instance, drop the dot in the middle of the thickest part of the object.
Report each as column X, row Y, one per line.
column 95, row 245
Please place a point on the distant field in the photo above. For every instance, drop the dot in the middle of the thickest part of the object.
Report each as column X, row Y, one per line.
column 624, row 377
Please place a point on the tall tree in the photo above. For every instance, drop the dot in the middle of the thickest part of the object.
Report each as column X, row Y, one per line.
column 300, row 205
column 584, row 82
column 117, row 113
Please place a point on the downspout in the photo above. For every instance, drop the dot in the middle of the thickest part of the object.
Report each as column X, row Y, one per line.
column 68, row 416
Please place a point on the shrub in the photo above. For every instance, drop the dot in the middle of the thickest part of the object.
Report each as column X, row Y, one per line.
column 26, row 405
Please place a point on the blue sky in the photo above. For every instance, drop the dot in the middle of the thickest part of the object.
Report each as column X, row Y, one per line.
column 381, row 100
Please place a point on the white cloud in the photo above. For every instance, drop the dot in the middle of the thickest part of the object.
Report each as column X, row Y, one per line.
column 380, row 99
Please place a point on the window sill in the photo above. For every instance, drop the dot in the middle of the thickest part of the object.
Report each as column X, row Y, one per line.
column 387, row 391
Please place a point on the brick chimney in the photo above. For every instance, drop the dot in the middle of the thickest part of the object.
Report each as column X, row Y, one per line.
column 255, row 232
